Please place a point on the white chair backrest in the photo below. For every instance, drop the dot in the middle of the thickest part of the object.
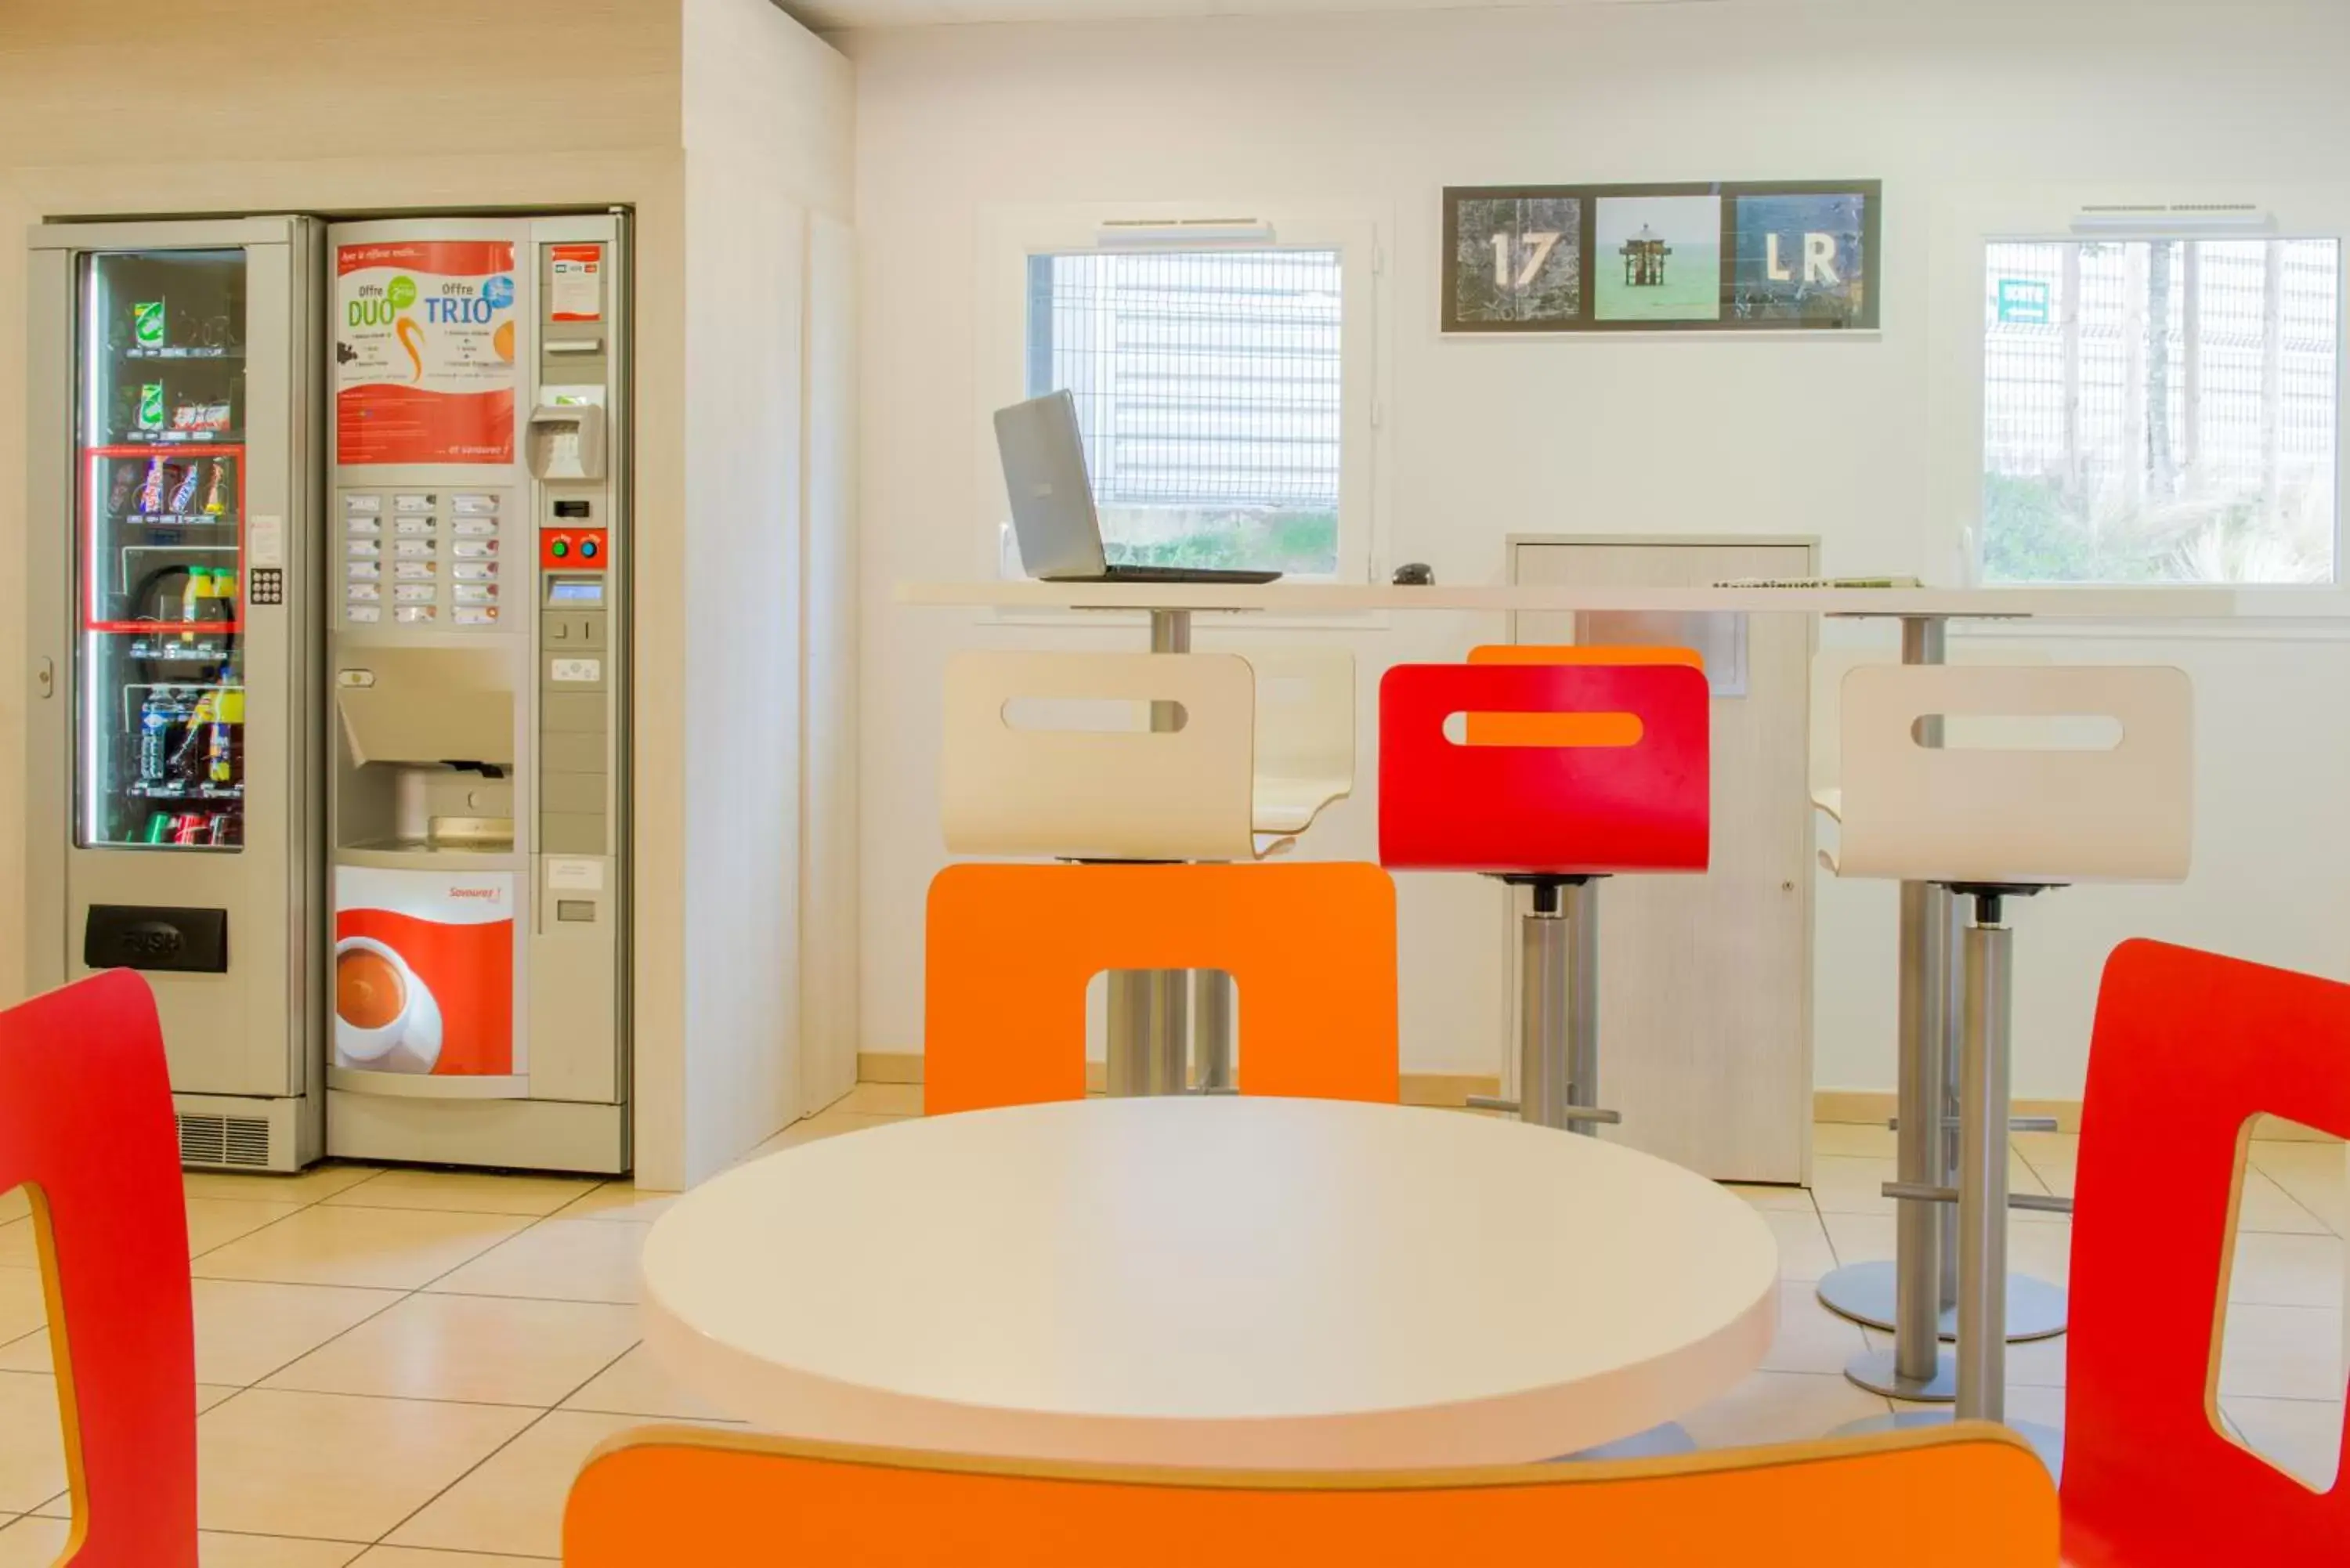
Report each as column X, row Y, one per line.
column 1304, row 713
column 2063, row 802
column 1025, row 772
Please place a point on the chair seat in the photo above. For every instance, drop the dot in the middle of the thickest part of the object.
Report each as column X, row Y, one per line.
column 1980, row 877
column 1285, row 807
column 1305, row 736
column 1995, row 801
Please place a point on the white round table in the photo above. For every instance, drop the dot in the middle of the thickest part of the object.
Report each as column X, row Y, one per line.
column 1212, row 1281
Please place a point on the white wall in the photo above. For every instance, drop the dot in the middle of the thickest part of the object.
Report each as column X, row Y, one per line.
column 829, row 846
column 1694, row 434
column 766, row 129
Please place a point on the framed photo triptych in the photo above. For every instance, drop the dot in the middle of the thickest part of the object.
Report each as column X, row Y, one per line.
column 1798, row 255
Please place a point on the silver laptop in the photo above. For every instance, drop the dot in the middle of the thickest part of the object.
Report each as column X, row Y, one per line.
column 1053, row 502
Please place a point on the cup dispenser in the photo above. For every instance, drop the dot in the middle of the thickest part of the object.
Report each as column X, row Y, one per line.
column 427, row 753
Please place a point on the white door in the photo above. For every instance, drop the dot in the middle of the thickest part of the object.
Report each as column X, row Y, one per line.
column 1705, row 1037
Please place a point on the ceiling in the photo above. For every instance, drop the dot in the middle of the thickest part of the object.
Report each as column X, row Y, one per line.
column 830, row 16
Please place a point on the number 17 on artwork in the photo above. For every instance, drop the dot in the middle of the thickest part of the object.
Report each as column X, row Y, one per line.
column 1537, row 248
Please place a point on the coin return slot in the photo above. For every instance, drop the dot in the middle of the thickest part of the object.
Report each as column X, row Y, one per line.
column 575, row 910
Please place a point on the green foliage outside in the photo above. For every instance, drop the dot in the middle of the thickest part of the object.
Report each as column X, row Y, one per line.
column 1300, row 544
column 2035, row 530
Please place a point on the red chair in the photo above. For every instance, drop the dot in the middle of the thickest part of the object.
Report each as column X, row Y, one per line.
column 2187, row 1048
column 86, row 1127
column 1562, row 774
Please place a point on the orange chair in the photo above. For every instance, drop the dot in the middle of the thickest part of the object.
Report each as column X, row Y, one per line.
column 2187, row 1048
column 1009, row 948
column 86, row 1126
column 667, row 1497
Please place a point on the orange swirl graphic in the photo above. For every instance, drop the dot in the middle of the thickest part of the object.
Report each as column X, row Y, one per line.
column 410, row 336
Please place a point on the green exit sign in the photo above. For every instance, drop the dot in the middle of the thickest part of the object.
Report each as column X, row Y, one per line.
column 2024, row 302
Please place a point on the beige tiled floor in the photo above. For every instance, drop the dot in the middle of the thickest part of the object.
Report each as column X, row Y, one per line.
column 403, row 1369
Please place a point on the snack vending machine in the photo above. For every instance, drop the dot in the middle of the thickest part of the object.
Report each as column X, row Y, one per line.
column 476, row 568
column 174, row 802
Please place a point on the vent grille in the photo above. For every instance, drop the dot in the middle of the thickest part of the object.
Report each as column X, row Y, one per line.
column 229, row 1141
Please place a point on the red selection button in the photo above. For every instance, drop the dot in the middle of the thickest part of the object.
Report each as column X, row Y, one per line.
column 574, row 549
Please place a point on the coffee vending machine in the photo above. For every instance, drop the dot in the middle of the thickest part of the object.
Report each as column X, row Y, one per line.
column 477, row 555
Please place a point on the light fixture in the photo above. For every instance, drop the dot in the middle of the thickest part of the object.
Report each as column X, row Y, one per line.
column 1130, row 234
column 2159, row 219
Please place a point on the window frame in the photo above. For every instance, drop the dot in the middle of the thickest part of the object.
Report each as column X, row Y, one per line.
column 1967, row 222
column 1009, row 235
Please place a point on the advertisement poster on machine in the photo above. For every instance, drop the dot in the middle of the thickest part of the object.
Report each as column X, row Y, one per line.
column 424, row 352
column 424, row 972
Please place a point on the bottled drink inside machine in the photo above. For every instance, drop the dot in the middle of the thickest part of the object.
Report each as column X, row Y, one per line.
column 163, row 712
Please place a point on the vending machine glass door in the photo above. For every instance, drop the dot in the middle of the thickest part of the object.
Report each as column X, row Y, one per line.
column 160, row 557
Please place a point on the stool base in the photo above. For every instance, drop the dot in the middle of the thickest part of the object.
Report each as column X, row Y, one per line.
column 1874, row 1370
column 1864, row 1292
column 2046, row 1441
column 1656, row 1443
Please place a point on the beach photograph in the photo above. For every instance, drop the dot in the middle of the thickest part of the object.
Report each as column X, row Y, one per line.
column 1656, row 258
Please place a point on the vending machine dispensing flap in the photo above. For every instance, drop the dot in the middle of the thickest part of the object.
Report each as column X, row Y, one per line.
column 566, row 441
column 426, row 706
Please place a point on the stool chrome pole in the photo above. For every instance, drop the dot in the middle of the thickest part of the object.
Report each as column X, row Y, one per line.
column 1891, row 1296
column 1211, row 1030
column 1128, row 1067
column 1869, row 1294
column 1545, row 1075
column 1952, row 935
column 1558, row 1008
column 1982, row 1168
column 1916, row 1368
column 1582, row 1002
column 1150, row 1044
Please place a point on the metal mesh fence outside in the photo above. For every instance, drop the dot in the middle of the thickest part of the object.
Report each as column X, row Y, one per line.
column 1203, row 380
column 2161, row 409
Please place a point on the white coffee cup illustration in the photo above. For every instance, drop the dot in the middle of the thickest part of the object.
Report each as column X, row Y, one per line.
column 386, row 1019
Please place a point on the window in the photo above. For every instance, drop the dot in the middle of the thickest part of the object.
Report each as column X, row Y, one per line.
column 1209, row 392
column 2160, row 411
column 1225, row 369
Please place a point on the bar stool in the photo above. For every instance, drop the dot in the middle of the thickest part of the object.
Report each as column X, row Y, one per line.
column 1133, row 758
column 1993, row 815
column 1562, row 773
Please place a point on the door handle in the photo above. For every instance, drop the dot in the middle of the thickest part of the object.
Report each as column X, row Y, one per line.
column 44, row 676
